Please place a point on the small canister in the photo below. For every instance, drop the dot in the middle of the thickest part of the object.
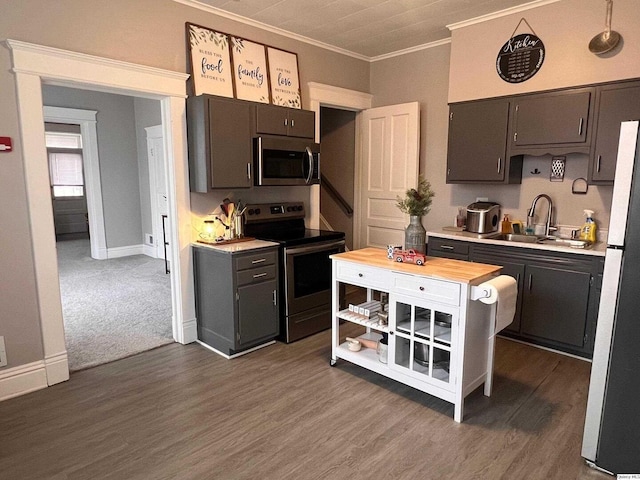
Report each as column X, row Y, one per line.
column 238, row 224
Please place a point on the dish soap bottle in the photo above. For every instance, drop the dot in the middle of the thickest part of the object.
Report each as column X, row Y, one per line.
column 505, row 225
column 588, row 231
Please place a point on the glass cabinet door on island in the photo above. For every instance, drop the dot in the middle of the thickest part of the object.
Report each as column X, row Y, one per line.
column 421, row 344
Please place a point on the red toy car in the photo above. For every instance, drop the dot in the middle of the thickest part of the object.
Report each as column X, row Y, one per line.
column 409, row 256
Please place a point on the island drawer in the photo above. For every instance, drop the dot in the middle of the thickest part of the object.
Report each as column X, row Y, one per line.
column 361, row 275
column 436, row 290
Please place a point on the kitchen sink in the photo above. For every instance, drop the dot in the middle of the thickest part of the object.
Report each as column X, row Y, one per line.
column 564, row 242
column 513, row 237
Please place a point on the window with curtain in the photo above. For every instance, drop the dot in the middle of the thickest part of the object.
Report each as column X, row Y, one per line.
column 66, row 174
column 65, row 164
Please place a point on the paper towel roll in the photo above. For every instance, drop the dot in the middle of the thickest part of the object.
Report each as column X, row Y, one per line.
column 502, row 290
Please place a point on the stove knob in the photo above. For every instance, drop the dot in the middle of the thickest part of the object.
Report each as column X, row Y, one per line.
column 299, row 208
column 250, row 211
column 289, row 209
column 257, row 211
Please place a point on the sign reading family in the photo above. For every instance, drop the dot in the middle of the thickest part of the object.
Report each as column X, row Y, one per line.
column 250, row 70
column 521, row 57
column 210, row 61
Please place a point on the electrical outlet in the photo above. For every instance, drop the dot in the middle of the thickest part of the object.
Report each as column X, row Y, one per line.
column 148, row 238
column 3, row 353
column 482, row 199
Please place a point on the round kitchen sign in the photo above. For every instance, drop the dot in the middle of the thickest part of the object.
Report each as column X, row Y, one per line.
column 520, row 58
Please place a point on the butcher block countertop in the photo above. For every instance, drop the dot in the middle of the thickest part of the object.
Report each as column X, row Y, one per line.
column 443, row 268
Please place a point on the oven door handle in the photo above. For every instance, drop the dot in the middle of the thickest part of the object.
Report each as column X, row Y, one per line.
column 313, row 248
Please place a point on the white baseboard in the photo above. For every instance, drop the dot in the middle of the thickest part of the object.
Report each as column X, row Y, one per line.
column 22, row 380
column 117, row 252
column 189, row 331
column 149, row 251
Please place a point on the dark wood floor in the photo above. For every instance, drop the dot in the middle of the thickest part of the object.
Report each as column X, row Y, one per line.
column 182, row 412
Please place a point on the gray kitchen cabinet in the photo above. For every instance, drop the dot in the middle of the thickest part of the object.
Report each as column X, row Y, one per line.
column 275, row 120
column 554, row 122
column 615, row 103
column 477, row 147
column 237, row 297
column 555, row 303
column 558, row 293
column 220, row 143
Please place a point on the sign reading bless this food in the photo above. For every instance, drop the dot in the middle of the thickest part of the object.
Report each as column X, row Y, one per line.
column 211, row 62
column 520, row 58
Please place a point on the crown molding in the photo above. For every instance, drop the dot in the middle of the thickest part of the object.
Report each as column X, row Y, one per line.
column 417, row 48
column 263, row 26
column 501, row 13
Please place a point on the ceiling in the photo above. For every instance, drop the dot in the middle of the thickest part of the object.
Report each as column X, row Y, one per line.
column 364, row 28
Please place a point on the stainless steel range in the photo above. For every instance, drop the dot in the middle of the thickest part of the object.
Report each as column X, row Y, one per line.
column 305, row 265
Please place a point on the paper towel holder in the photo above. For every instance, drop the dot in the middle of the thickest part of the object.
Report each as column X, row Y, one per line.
column 478, row 292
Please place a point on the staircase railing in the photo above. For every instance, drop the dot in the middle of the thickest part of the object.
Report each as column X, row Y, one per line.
column 344, row 205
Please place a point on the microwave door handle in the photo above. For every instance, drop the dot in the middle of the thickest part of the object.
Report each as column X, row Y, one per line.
column 310, row 155
column 259, row 148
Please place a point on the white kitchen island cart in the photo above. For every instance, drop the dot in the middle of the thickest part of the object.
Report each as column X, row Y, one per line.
column 440, row 341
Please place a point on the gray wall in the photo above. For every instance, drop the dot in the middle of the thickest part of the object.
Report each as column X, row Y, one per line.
column 146, row 32
column 117, row 150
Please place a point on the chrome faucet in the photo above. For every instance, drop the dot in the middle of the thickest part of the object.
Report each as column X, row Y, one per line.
column 531, row 212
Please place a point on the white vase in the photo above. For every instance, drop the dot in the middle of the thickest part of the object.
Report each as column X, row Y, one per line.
column 415, row 236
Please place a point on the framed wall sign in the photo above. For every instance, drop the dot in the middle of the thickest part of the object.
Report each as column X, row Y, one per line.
column 250, row 70
column 284, row 78
column 210, row 61
column 521, row 57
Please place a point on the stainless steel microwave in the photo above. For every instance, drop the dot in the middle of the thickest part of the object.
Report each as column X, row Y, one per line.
column 286, row 161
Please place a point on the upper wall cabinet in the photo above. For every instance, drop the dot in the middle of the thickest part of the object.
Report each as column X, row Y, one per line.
column 555, row 122
column 220, row 143
column 477, row 149
column 274, row 120
column 615, row 104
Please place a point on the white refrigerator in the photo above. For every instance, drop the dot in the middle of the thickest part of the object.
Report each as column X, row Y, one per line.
column 612, row 425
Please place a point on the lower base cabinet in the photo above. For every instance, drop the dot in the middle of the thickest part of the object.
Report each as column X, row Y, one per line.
column 236, row 298
column 558, row 294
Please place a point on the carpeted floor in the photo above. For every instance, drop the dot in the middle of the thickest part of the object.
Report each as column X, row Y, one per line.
column 112, row 308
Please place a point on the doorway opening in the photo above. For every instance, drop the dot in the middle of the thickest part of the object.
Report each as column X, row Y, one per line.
column 120, row 304
column 35, row 65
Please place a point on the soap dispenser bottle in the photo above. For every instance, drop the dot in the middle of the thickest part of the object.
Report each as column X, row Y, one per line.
column 588, row 231
column 505, row 225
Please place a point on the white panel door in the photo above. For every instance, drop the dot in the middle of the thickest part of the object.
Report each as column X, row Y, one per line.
column 157, row 185
column 390, row 161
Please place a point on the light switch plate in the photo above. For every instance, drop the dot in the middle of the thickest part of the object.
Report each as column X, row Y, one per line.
column 3, row 353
